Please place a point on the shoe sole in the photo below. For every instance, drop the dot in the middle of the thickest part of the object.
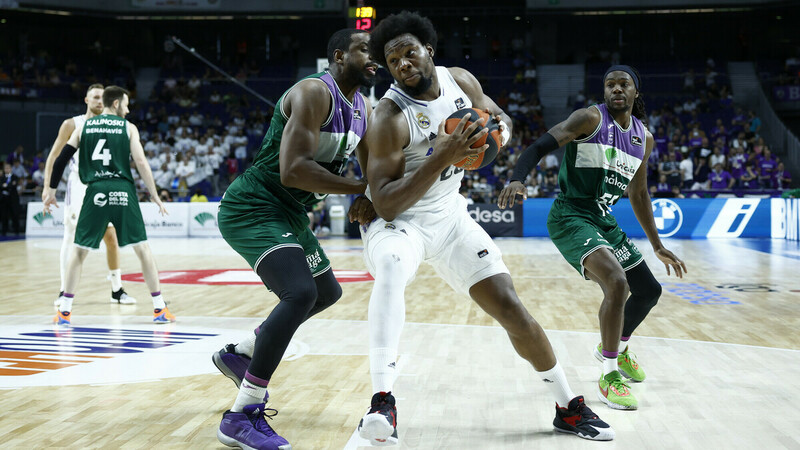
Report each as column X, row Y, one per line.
column 377, row 430
column 613, row 405
column 604, row 434
column 231, row 442
column 217, row 360
column 599, row 357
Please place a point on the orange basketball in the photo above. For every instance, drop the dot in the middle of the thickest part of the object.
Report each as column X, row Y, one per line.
column 492, row 138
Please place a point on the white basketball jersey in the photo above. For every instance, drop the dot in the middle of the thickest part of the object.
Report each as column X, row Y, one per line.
column 73, row 162
column 423, row 123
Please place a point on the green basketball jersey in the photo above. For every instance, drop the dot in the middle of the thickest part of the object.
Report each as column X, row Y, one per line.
column 338, row 138
column 105, row 150
column 598, row 168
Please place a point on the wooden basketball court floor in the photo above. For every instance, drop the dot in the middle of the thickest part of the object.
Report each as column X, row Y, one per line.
column 721, row 351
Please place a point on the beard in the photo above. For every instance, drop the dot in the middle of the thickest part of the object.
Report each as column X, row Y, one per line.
column 362, row 79
column 423, row 85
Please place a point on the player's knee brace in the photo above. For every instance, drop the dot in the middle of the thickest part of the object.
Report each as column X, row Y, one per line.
column 645, row 289
column 329, row 291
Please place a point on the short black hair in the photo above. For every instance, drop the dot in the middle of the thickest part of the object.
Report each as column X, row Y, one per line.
column 395, row 25
column 112, row 93
column 341, row 41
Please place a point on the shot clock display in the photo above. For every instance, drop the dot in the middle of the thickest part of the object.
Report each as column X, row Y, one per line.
column 364, row 17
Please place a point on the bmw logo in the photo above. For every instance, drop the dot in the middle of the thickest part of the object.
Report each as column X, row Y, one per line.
column 668, row 216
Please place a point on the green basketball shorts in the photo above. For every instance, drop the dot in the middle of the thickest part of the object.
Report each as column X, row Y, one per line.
column 110, row 201
column 577, row 232
column 255, row 223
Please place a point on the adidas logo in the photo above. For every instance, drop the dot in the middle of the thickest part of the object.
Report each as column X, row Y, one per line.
column 392, row 365
column 548, row 381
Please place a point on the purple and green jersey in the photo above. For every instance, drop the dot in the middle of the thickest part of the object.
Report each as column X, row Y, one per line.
column 338, row 137
column 600, row 167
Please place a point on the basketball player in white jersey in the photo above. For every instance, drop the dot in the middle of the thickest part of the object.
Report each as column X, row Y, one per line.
column 414, row 188
column 74, row 199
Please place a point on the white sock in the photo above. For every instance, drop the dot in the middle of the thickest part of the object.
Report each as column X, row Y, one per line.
column 382, row 368
column 556, row 381
column 66, row 246
column 247, row 346
column 609, row 365
column 116, row 279
column 249, row 394
column 623, row 345
column 66, row 304
column 158, row 302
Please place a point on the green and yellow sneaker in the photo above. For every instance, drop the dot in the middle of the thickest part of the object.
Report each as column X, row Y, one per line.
column 628, row 366
column 614, row 392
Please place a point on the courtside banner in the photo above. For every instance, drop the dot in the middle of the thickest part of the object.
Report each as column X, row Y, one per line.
column 785, row 218
column 495, row 221
column 174, row 224
column 40, row 224
column 203, row 219
column 680, row 218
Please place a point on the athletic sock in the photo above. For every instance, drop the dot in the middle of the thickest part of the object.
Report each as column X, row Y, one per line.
column 248, row 345
column 382, row 368
column 556, row 381
column 250, row 393
column 116, row 279
column 158, row 300
column 623, row 344
column 610, row 362
column 66, row 302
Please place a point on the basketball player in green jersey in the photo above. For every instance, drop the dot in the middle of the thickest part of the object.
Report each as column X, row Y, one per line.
column 74, row 199
column 106, row 144
column 607, row 150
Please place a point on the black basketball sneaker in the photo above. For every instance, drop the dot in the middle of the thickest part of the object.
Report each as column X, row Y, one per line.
column 379, row 425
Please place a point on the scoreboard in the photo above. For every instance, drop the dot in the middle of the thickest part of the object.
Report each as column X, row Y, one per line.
column 362, row 17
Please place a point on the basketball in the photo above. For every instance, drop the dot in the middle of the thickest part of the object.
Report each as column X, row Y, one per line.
column 492, row 138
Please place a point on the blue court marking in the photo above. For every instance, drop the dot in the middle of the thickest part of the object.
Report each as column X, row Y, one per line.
column 698, row 295
column 780, row 247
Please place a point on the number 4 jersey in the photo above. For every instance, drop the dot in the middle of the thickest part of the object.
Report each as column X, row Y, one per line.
column 104, row 149
column 599, row 167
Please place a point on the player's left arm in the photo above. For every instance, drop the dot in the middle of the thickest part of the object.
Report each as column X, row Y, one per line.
column 643, row 209
column 470, row 85
column 361, row 210
column 137, row 152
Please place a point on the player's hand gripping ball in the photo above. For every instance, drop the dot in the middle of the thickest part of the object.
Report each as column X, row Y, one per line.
column 492, row 138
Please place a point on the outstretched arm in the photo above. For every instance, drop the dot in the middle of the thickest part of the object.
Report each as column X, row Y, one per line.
column 64, row 133
column 582, row 122
column 643, row 209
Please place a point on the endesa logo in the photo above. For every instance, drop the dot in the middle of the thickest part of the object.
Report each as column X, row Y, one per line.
column 497, row 216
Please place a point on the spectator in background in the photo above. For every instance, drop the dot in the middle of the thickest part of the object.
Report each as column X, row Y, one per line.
column 671, row 169
column 740, row 142
column 18, row 169
column 688, row 81
column 782, row 179
column 198, row 197
column 701, row 172
column 164, row 195
column 687, row 171
column 663, row 185
column 737, row 161
column 16, row 155
column 749, row 179
column 717, row 157
column 766, row 169
column 721, row 179
column 754, row 125
column 676, row 192
column 9, row 199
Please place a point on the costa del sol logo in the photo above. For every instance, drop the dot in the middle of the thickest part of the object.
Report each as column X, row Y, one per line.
column 668, row 216
column 205, row 217
column 41, row 216
column 100, row 199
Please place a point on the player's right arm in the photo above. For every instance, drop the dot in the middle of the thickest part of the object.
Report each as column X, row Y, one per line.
column 308, row 106
column 580, row 123
column 387, row 135
column 64, row 133
column 137, row 153
column 60, row 163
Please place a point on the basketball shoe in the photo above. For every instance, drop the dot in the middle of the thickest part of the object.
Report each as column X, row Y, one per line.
column 615, row 393
column 122, row 297
column 57, row 302
column 162, row 316
column 233, row 365
column 249, row 430
column 628, row 366
column 379, row 425
column 578, row 419
column 62, row 318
